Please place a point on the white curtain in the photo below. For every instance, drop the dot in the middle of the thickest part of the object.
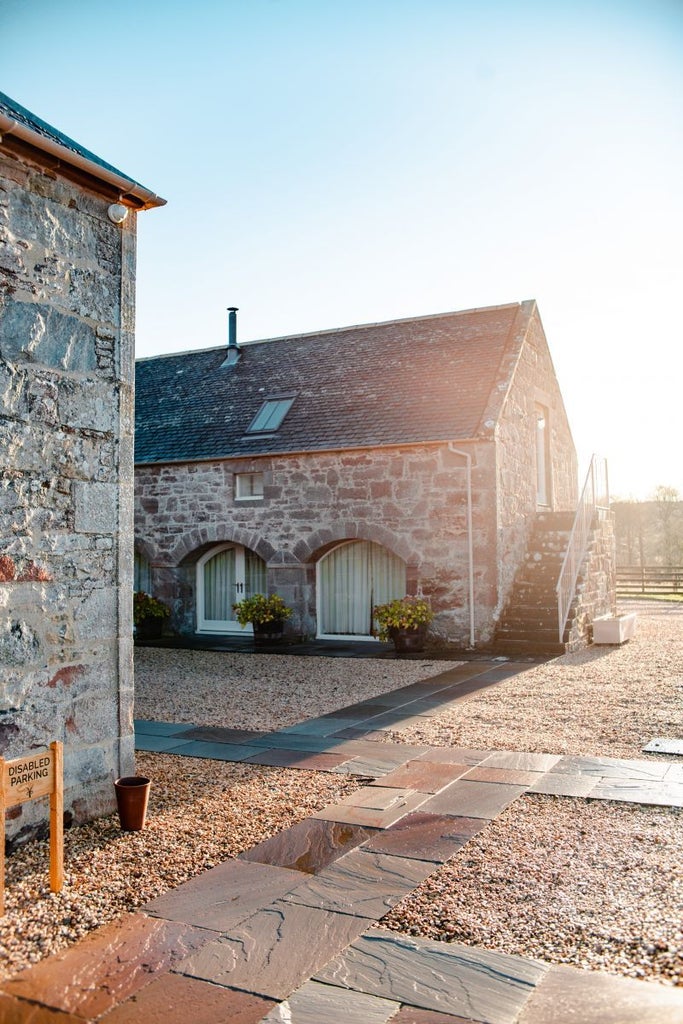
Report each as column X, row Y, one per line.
column 254, row 574
column 142, row 577
column 353, row 579
column 219, row 586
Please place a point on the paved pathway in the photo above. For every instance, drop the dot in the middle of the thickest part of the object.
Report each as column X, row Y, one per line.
column 288, row 931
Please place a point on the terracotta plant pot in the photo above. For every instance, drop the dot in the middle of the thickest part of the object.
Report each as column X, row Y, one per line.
column 132, row 794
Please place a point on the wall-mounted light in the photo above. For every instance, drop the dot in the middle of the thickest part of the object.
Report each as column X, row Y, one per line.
column 117, row 213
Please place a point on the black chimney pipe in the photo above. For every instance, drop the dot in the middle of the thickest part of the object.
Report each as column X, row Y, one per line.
column 233, row 348
column 232, row 327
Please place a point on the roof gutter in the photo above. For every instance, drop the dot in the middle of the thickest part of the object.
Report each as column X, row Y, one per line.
column 130, row 192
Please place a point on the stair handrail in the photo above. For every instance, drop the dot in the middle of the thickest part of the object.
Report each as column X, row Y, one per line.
column 594, row 501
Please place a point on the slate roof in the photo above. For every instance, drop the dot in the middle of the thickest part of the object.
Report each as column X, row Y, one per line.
column 424, row 379
column 13, row 114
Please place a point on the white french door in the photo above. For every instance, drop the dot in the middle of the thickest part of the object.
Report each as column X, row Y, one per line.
column 352, row 579
column 225, row 575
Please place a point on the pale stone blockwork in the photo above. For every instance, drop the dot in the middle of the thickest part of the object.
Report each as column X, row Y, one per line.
column 66, row 428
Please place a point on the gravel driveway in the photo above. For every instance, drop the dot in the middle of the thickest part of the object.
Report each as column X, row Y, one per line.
column 594, row 884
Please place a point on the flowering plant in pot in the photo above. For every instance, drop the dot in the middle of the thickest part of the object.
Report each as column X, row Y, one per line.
column 149, row 614
column 404, row 620
column 266, row 613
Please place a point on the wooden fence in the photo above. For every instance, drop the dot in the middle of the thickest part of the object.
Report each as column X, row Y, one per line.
column 649, row 579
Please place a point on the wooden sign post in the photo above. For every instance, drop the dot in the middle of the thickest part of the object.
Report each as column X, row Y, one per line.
column 27, row 778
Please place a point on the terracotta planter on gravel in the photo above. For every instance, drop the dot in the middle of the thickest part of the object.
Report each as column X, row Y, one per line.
column 132, row 795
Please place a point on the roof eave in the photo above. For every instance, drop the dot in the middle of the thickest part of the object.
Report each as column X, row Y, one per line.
column 130, row 192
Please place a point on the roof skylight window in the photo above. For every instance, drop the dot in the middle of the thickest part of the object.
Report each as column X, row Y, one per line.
column 270, row 415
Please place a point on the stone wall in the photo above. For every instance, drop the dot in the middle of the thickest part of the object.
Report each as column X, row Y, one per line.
column 597, row 586
column 412, row 500
column 66, row 404
column 532, row 382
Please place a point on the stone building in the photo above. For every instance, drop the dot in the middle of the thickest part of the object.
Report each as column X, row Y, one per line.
column 67, row 303
column 345, row 468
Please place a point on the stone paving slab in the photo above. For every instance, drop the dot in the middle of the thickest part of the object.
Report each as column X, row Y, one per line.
column 454, row 755
column 362, row 883
column 424, row 776
column 108, row 965
column 415, row 1015
column 373, row 766
column 219, row 734
column 661, row 745
column 567, row 995
column 474, row 983
column 275, row 950
column 224, row 896
column 373, row 806
column 563, row 785
column 280, row 757
column 309, row 846
column 314, row 1003
column 215, row 751
column 661, row 794
column 175, row 999
column 473, row 799
column 510, row 776
column 147, row 727
column 423, row 836
column 612, row 767
column 159, row 744
column 520, row 761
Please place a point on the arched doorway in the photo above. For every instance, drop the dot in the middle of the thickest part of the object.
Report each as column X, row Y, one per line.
column 226, row 574
column 353, row 578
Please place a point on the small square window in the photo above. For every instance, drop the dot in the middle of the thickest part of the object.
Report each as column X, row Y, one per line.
column 249, row 486
column 270, row 415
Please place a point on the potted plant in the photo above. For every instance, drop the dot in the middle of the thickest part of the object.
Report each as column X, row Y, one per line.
column 266, row 613
column 148, row 615
column 404, row 620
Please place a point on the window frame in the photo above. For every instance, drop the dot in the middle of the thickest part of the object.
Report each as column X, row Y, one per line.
column 241, row 478
column 274, row 407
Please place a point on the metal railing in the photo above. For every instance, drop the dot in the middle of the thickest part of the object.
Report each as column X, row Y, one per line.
column 593, row 502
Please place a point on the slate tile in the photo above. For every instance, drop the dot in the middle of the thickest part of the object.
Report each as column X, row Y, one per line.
column 374, row 806
column 108, row 966
column 309, row 846
column 554, row 784
column 18, row 1011
column 512, row 776
column 454, row 755
column 224, row 896
column 425, row 776
column 358, row 732
column 306, row 759
column 423, row 836
column 356, row 712
column 275, row 950
column 176, row 999
column 152, row 728
column 362, row 883
column 314, row 1003
column 473, row 799
column 663, row 745
column 448, row 977
column 520, row 761
column 584, row 997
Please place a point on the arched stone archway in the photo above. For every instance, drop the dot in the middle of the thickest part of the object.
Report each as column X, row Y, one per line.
column 198, row 540
column 352, row 578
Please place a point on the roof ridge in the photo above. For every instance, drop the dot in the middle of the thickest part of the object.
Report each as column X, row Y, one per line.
column 329, row 331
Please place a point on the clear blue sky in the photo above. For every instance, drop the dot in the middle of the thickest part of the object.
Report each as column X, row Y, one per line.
column 333, row 162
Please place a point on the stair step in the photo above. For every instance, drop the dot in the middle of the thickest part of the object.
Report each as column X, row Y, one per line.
column 528, row 647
